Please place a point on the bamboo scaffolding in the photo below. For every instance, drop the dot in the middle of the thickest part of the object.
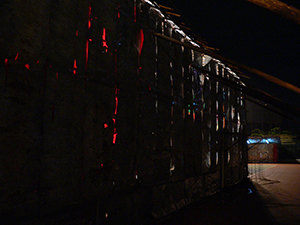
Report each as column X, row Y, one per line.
column 234, row 63
column 256, row 94
column 288, row 12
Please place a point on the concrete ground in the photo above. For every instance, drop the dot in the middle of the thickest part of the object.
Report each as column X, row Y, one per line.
column 279, row 187
column 271, row 195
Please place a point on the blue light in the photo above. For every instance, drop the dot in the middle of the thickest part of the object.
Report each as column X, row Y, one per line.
column 271, row 140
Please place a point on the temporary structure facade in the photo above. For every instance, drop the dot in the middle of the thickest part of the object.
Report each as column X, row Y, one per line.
column 103, row 113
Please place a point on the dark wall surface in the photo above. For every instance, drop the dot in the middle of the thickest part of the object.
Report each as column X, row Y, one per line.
column 102, row 121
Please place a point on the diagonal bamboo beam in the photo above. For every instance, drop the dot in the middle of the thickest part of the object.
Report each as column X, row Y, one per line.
column 280, row 8
column 232, row 62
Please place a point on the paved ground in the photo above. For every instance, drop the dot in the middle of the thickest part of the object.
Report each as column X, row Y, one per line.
column 270, row 196
column 279, row 186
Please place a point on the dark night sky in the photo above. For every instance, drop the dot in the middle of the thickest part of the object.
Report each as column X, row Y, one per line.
column 250, row 35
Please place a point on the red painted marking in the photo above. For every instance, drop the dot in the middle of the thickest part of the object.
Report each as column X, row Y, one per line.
column 17, row 56
column 105, row 125
column 104, row 39
column 27, row 66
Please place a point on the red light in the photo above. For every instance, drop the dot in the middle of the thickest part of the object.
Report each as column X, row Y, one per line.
column 104, row 39
column 17, row 56
column 134, row 10
column 27, row 66
column 114, row 138
column 140, row 41
column 76, row 32
column 75, row 67
column 105, row 125
column 6, row 62
column 116, row 107
column 90, row 10
column 86, row 54
column 37, row 62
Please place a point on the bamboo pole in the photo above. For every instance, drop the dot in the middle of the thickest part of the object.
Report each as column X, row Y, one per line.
column 256, row 94
column 234, row 63
column 288, row 12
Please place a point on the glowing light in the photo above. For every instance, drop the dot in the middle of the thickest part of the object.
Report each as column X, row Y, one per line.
column 134, row 8
column 194, row 116
column 86, row 54
column 27, row 66
column 75, row 67
column 105, row 125
column 6, row 62
column 115, row 138
column 140, row 41
column 17, row 56
column 104, row 39
column 90, row 10
column 76, row 32
column 116, row 107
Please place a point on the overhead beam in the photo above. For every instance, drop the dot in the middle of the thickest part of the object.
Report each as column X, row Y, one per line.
column 256, row 94
column 234, row 63
column 289, row 12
